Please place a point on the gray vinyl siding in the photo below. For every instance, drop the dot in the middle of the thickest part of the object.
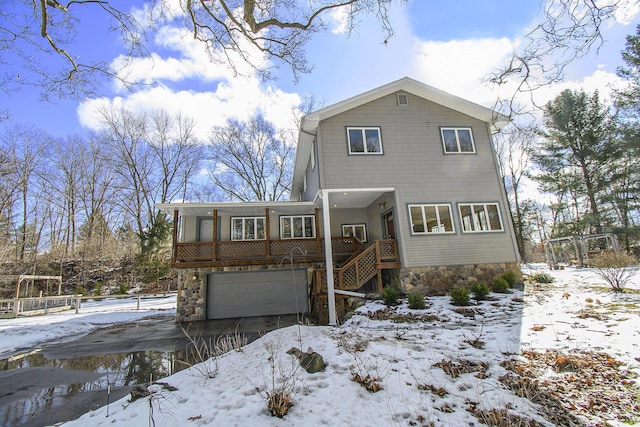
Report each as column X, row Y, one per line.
column 190, row 228
column 339, row 217
column 313, row 179
column 414, row 164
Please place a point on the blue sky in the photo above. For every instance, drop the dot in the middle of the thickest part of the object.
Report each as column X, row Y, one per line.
column 450, row 45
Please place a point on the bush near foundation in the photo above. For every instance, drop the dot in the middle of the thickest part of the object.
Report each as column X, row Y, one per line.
column 511, row 278
column 460, row 296
column 389, row 296
column 499, row 285
column 480, row 290
column 416, row 301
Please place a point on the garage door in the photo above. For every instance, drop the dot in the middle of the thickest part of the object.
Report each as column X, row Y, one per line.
column 256, row 293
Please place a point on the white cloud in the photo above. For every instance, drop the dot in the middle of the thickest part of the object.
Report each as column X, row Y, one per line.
column 459, row 66
column 340, row 18
column 238, row 98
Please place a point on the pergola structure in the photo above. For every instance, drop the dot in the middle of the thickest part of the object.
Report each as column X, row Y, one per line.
column 556, row 252
column 25, row 291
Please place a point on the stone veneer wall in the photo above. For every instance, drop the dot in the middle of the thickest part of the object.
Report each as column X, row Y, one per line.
column 439, row 280
column 191, row 300
column 191, row 295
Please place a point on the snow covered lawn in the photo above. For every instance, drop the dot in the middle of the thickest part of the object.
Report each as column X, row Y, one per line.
column 564, row 353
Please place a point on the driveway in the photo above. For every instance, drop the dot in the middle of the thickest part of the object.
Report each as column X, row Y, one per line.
column 48, row 387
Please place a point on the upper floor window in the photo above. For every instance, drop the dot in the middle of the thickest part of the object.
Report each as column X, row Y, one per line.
column 297, row 227
column 364, row 140
column 248, row 228
column 457, row 140
column 480, row 217
column 427, row 219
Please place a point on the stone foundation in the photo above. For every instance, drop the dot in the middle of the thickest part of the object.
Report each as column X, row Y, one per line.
column 439, row 280
column 191, row 295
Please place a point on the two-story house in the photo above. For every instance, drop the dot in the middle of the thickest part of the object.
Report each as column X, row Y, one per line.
column 396, row 186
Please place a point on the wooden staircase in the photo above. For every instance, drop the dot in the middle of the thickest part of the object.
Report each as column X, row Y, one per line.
column 354, row 273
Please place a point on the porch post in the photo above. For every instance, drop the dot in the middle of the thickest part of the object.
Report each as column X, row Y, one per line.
column 267, row 227
column 214, row 237
column 174, row 254
column 328, row 253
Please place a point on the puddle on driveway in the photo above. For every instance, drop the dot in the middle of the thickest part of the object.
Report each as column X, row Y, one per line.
column 34, row 390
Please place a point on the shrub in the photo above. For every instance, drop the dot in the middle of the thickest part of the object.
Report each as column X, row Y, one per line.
column 122, row 289
column 511, row 277
column 499, row 285
column 98, row 289
column 389, row 296
column 416, row 301
column 459, row 296
column 480, row 290
column 615, row 268
column 80, row 290
column 542, row 278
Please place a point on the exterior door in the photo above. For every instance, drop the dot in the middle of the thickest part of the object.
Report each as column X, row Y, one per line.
column 389, row 227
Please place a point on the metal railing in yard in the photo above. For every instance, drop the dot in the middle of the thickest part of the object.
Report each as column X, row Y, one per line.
column 33, row 306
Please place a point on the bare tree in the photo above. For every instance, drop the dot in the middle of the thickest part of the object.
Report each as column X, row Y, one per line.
column 514, row 146
column 178, row 151
column 154, row 157
column 277, row 30
column 25, row 148
column 32, row 30
column 35, row 33
column 251, row 162
column 569, row 30
column 134, row 162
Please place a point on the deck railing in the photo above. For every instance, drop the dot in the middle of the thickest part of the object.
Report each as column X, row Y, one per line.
column 259, row 249
column 357, row 270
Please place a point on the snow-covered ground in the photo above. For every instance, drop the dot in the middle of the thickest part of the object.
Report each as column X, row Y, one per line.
column 442, row 366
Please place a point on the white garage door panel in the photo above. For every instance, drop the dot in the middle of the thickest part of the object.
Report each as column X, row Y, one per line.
column 256, row 293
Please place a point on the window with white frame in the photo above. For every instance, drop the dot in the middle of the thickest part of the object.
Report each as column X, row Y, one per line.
column 248, row 228
column 364, row 140
column 359, row 231
column 297, row 227
column 480, row 217
column 431, row 219
column 457, row 140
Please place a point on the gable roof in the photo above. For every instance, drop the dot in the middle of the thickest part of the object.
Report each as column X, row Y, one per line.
column 309, row 123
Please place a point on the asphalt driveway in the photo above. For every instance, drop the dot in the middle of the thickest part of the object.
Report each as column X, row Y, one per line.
column 40, row 394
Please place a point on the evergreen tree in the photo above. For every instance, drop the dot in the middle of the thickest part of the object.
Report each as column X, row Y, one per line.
column 574, row 152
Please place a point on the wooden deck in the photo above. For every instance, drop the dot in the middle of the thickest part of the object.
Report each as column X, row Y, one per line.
column 259, row 252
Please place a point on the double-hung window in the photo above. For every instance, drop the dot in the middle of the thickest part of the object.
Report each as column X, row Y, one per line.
column 457, row 140
column 430, row 219
column 297, row 227
column 248, row 228
column 480, row 217
column 364, row 140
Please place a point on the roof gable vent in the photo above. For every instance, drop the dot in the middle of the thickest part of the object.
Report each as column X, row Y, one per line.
column 403, row 99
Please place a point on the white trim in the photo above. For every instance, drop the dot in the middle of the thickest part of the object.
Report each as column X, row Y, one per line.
column 349, row 293
column 457, row 133
column 476, row 227
column 363, row 132
column 421, row 206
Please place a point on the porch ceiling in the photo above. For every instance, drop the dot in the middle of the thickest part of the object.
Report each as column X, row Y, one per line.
column 355, row 197
column 238, row 208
